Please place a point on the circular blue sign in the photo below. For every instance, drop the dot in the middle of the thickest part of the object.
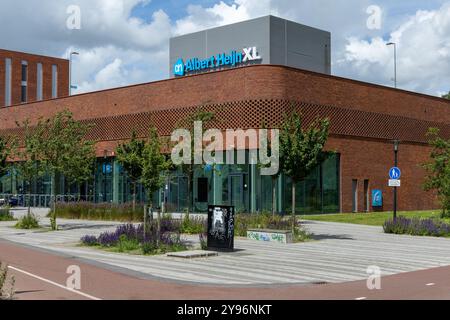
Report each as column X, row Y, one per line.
column 395, row 173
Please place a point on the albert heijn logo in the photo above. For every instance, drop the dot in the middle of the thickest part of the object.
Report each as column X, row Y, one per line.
column 178, row 68
column 231, row 59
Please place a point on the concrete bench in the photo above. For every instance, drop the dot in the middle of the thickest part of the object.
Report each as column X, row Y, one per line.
column 280, row 236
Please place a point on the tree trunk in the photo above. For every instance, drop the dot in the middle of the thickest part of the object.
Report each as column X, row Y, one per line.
column 134, row 196
column 79, row 191
column 189, row 194
column 274, row 195
column 54, row 226
column 29, row 200
column 158, row 235
column 293, row 205
column 145, row 220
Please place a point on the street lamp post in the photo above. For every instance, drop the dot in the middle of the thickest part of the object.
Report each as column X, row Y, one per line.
column 70, row 70
column 396, row 145
column 105, row 171
column 395, row 61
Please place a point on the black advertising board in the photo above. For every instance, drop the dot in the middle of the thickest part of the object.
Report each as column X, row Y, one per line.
column 221, row 228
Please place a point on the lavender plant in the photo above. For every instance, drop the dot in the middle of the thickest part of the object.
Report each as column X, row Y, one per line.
column 129, row 237
column 417, row 227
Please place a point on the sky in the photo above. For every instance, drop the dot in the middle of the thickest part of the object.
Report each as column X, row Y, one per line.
column 124, row 42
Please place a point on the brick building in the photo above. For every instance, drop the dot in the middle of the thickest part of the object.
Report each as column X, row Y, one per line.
column 365, row 118
column 28, row 78
column 249, row 74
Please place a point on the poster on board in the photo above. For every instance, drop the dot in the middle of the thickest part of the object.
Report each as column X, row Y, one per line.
column 220, row 228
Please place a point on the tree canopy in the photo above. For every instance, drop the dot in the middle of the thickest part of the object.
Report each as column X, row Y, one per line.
column 301, row 149
column 153, row 165
column 438, row 169
column 130, row 156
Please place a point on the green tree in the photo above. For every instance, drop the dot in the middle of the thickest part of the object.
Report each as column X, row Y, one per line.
column 438, row 169
column 301, row 150
column 64, row 138
column 446, row 96
column 267, row 145
column 188, row 169
column 154, row 164
column 130, row 156
column 4, row 154
column 27, row 153
column 80, row 166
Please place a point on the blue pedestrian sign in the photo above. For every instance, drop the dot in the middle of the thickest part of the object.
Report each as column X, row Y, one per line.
column 395, row 173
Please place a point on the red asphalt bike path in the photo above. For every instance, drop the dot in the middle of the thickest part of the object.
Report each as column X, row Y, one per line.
column 41, row 275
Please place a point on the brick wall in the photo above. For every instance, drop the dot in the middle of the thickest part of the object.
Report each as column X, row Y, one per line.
column 363, row 155
column 371, row 160
column 248, row 83
column 32, row 60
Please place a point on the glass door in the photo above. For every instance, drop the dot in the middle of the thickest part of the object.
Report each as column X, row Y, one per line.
column 236, row 189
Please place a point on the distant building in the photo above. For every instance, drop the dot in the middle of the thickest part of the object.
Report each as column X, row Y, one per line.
column 266, row 40
column 28, row 78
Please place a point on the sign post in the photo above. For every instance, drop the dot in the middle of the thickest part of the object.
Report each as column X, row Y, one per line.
column 395, row 174
column 394, row 181
column 220, row 228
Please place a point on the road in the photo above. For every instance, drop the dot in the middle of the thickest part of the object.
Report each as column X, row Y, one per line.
column 42, row 275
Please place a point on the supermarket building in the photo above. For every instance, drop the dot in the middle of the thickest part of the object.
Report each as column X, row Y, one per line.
column 278, row 65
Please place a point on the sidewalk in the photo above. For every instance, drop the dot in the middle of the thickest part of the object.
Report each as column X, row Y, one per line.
column 339, row 253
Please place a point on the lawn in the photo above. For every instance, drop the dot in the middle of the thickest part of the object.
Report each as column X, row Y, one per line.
column 373, row 218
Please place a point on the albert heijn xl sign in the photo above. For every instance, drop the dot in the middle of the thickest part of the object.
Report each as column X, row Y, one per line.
column 232, row 59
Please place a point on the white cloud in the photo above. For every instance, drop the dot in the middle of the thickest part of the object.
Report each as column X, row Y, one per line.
column 118, row 49
column 423, row 44
column 200, row 18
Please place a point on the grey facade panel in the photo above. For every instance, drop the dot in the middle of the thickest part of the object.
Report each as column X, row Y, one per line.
column 278, row 41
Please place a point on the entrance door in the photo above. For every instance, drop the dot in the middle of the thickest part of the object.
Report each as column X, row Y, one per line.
column 355, row 195
column 236, row 190
column 177, row 194
column 366, row 195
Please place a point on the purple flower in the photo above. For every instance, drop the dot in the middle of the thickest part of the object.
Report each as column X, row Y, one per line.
column 89, row 240
column 417, row 227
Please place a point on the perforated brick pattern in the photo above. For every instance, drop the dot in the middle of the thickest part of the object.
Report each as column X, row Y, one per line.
column 270, row 113
column 263, row 113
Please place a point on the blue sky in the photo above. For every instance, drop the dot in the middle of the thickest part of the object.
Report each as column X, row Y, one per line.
column 176, row 9
column 124, row 42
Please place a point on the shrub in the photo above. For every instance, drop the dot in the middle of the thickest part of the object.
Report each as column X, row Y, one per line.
column 260, row 221
column 99, row 211
column 129, row 238
column 244, row 222
column 148, row 248
column 29, row 221
column 203, row 241
column 5, row 214
column 193, row 225
column 126, row 244
column 6, row 293
column 89, row 241
column 417, row 227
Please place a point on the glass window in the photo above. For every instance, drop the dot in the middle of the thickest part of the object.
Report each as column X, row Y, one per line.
column 202, row 189
column 24, row 71
column 54, row 81
column 8, row 82
column 330, row 182
column 319, row 192
column 103, row 180
column 39, row 89
column 23, row 94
